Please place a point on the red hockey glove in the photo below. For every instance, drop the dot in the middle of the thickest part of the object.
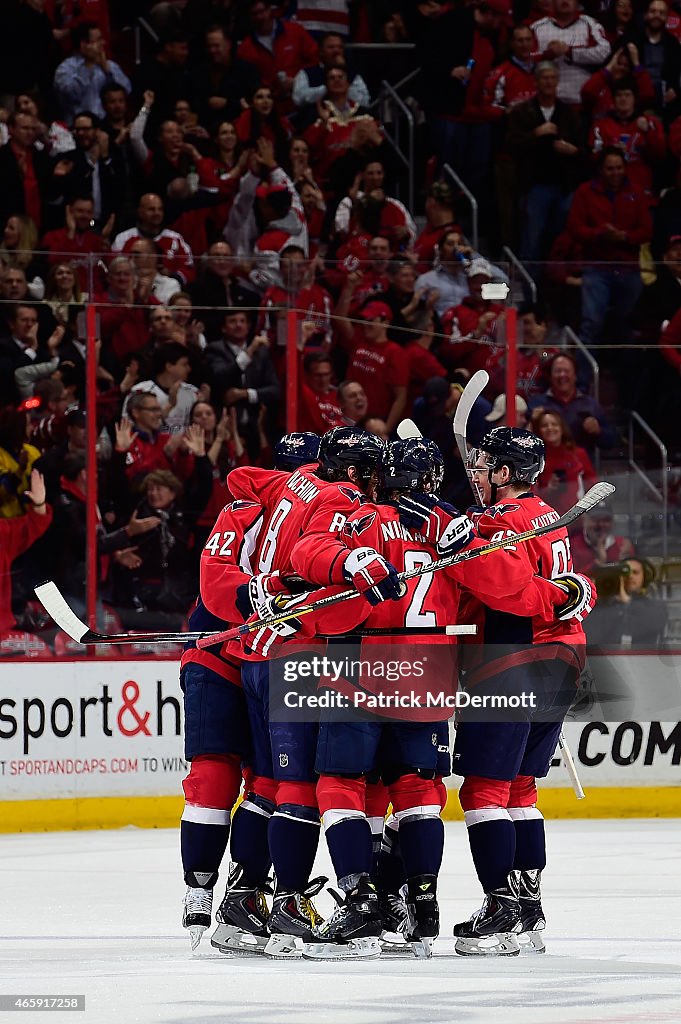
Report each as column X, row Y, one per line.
column 581, row 596
column 374, row 577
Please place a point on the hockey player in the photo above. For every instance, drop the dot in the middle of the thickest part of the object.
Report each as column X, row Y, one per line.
column 309, row 503
column 348, row 752
column 500, row 760
column 217, row 737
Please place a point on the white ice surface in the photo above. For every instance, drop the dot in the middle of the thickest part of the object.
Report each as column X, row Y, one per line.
column 99, row 913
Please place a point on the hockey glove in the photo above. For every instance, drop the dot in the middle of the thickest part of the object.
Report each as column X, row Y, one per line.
column 581, row 596
column 437, row 521
column 264, row 640
column 373, row 576
column 265, row 585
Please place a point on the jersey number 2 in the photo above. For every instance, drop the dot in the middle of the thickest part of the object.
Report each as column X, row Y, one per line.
column 416, row 617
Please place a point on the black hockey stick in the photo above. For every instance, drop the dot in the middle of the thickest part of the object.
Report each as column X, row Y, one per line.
column 55, row 603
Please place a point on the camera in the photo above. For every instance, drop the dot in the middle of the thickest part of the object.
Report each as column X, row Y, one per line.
column 607, row 578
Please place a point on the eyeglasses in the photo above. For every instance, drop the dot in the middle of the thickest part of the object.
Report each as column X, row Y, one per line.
column 149, row 408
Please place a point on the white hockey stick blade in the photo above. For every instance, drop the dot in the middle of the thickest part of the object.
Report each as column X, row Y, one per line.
column 54, row 602
column 471, row 393
column 407, row 428
column 570, row 766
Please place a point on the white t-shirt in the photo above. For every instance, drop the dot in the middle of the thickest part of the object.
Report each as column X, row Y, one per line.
column 177, row 419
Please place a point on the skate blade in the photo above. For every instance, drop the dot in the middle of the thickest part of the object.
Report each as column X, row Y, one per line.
column 499, row 944
column 230, row 939
column 284, row 947
column 422, row 948
column 395, row 944
column 530, row 943
column 196, row 934
column 355, row 949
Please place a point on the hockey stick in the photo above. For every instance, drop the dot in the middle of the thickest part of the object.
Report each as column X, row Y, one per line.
column 54, row 602
column 570, row 766
column 599, row 492
column 407, row 428
column 471, row 393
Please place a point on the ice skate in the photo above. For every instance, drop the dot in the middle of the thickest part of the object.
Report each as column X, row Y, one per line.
column 531, row 913
column 492, row 930
column 241, row 917
column 198, row 904
column 395, row 920
column 424, row 915
column 292, row 921
column 352, row 931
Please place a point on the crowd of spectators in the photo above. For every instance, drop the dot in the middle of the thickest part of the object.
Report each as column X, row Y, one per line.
column 239, row 170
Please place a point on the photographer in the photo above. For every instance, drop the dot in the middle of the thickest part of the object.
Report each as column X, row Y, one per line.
column 628, row 613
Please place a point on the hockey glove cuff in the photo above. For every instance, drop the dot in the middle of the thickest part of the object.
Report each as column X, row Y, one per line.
column 436, row 520
column 373, row 576
column 581, row 596
column 264, row 640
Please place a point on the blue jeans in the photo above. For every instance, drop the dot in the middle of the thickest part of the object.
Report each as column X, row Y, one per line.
column 546, row 210
column 604, row 290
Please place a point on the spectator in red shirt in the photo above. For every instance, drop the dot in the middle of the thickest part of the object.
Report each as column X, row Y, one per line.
column 278, row 49
column 472, row 326
column 596, row 543
column 423, row 364
column 624, row 63
column 318, row 405
column 16, row 536
column 640, row 137
column 512, row 81
column 440, row 217
column 612, row 221
column 261, row 121
column 379, row 365
column 77, row 240
column 147, row 447
column 123, row 320
column 178, row 260
column 568, row 470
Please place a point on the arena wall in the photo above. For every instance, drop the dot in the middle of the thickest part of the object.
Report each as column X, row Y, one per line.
column 98, row 744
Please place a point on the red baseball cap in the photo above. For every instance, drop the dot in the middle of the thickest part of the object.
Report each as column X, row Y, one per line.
column 377, row 311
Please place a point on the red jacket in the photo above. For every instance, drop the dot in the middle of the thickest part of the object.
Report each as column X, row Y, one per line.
column 16, row 536
column 293, row 49
column 507, row 85
column 76, row 251
column 643, row 150
column 146, row 453
column 671, row 335
column 627, row 210
column 597, row 95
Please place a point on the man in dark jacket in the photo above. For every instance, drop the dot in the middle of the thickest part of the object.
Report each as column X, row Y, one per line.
column 221, row 82
column 544, row 138
column 243, row 374
column 25, row 172
column 660, row 54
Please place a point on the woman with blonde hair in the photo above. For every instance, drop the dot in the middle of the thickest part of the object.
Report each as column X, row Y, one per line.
column 19, row 240
column 63, row 291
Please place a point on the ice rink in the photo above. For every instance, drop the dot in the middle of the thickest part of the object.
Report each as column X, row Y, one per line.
column 99, row 913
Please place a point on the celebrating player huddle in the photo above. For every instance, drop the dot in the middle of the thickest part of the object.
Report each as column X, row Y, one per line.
column 350, row 512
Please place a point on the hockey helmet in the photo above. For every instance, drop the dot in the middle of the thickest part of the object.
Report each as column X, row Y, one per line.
column 412, row 464
column 295, row 450
column 342, row 447
column 519, row 449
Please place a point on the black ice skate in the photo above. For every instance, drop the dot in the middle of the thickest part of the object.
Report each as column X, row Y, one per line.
column 242, row 916
column 424, row 914
column 292, row 920
column 352, row 931
column 492, row 930
column 392, row 906
column 531, row 914
column 198, row 905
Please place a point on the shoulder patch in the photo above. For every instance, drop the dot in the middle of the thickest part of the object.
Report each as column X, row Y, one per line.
column 355, row 527
column 500, row 510
column 353, row 495
column 235, row 506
